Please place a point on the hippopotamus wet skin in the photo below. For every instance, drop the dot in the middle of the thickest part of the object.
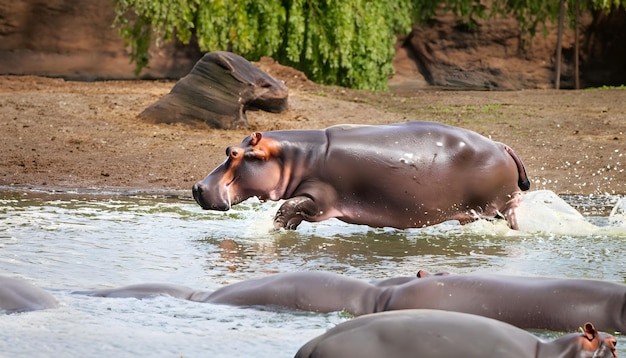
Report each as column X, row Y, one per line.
column 428, row 333
column 526, row 302
column 18, row 295
column 401, row 175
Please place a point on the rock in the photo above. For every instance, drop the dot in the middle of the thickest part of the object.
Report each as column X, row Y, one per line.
column 496, row 55
column 75, row 40
column 219, row 90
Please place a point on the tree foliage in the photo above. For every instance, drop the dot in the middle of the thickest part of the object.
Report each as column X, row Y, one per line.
column 344, row 42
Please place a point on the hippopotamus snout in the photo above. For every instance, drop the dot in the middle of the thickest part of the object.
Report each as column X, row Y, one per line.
column 204, row 197
column 197, row 195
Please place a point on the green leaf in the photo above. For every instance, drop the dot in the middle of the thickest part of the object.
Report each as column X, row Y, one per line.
column 340, row 42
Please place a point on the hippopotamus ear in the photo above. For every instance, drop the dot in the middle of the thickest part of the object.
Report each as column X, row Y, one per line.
column 255, row 138
column 263, row 148
column 592, row 341
column 594, row 336
column 589, row 330
column 424, row 274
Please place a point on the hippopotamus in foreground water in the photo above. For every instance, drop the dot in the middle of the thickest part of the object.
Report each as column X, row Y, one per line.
column 17, row 295
column 430, row 333
column 402, row 175
column 525, row 302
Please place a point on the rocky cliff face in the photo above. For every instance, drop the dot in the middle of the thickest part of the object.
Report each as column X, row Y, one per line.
column 496, row 56
column 74, row 39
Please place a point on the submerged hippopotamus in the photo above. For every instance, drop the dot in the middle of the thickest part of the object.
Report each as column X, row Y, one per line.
column 399, row 175
column 430, row 333
column 17, row 295
column 526, row 302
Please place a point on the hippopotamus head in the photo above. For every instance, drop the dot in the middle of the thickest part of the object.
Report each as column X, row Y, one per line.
column 588, row 344
column 251, row 169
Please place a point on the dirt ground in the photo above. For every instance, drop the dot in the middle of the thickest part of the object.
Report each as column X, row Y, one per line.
column 86, row 135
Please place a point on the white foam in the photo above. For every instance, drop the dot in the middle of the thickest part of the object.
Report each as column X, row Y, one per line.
column 544, row 211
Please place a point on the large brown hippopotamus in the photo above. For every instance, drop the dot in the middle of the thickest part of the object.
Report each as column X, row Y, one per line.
column 526, row 302
column 401, row 175
column 17, row 295
column 433, row 334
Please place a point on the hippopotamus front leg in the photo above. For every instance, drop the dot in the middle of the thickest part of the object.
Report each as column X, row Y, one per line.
column 293, row 211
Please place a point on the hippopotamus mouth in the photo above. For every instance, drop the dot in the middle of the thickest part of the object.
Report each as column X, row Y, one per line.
column 200, row 195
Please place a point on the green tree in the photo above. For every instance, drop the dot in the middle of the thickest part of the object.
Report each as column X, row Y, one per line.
column 343, row 42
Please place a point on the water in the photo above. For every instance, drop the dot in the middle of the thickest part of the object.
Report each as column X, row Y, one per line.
column 78, row 241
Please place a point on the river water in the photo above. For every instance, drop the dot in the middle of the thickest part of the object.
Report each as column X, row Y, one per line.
column 67, row 241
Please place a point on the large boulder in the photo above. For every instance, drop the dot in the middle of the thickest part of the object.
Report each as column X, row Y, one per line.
column 219, row 90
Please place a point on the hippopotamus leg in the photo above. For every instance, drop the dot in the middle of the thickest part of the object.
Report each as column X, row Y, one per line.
column 293, row 211
column 510, row 208
column 506, row 212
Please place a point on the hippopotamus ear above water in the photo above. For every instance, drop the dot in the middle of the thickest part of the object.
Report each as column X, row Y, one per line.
column 592, row 341
column 424, row 274
column 589, row 331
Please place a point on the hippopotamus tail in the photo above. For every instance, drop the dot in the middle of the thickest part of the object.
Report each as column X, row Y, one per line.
column 523, row 181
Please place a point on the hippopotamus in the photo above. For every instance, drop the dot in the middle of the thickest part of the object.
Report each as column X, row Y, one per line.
column 526, row 302
column 434, row 333
column 402, row 175
column 17, row 295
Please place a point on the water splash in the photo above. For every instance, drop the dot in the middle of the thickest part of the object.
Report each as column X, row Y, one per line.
column 544, row 211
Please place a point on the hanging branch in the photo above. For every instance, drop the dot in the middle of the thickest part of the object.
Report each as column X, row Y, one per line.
column 559, row 45
column 576, row 45
column 348, row 43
